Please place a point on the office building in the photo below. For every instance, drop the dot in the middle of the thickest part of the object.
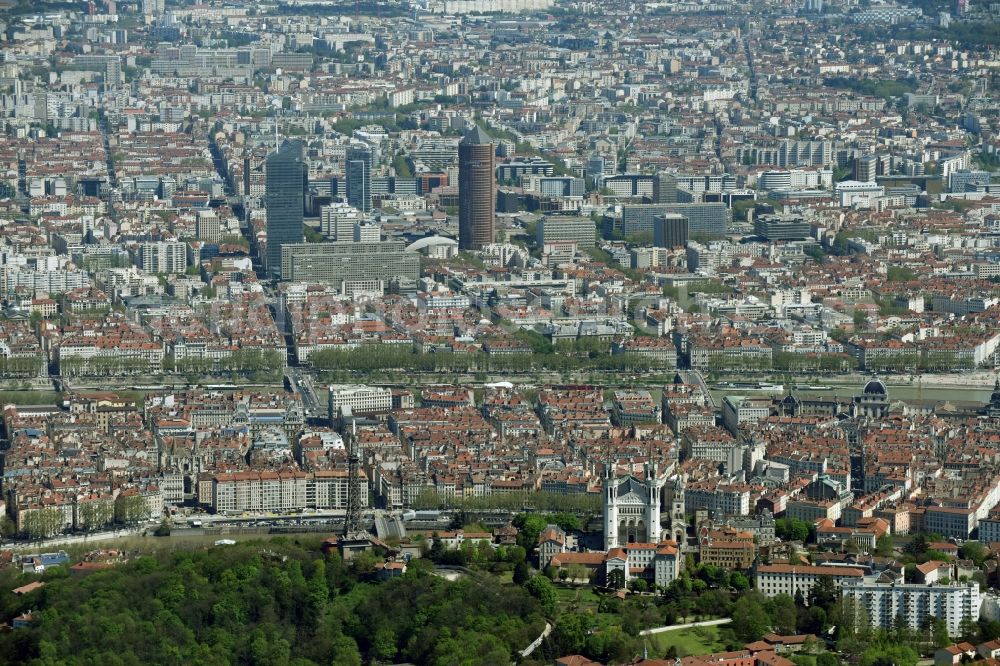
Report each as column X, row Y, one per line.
column 162, row 257
column 738, row 410
column 868, row 167
column 435, row 154
column 367, row 232
column 555, row 186
column 337, row 221
column 966, row 180
column 629, row 185
column 153, row 7
column 795, row 179
column 706, row 220
column 358, row 164
column 865, row 168
column 516, row 170
column 208, row 226
column 566, row 228
column 989, row 530
column 109, row 66
column 670, row 230
column 284, row 199
column 857, row 194
column 360, row 399
column 665, row 189
column 476, row 190
column 702, row 183
column 350, row 266
column 599, row 166
column 782, row 227
column 886, row 604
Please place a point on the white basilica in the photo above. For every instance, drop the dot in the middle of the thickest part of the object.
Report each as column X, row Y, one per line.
column 632, row 508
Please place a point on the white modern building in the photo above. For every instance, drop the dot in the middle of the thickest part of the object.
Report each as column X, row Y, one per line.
column 774, row 579
column 737, row 410
column 883, row 603
column 777, row 179
column 162, row 257
column 337, row 221
column 360, row 399
column 367, row 232
column 856, row 194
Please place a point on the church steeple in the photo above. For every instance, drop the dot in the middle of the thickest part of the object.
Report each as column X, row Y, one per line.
column 994, row 407
column 610, row 513
column 678, row 518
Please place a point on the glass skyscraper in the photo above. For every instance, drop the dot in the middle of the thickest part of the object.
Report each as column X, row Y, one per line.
column 360, row 161
column 284, row 199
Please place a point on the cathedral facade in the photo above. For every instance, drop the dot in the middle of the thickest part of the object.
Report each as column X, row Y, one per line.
column 632, row 508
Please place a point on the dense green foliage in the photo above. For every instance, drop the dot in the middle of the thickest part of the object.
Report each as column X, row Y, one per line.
column 987, row 161
column 792, row 529
column 900, row 274
column 968, row 34
column 269, row 603
column 312, row 235
column 886, row 89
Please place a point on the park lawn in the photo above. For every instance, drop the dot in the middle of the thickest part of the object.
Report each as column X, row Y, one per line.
column 690, row 641
column 584, row 601
column 577, row 598
column 582, row 594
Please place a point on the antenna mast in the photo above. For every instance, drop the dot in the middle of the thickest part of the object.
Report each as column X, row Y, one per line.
column 352, row 522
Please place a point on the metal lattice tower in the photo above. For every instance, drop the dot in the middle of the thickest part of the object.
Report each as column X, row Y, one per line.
column 352, row 521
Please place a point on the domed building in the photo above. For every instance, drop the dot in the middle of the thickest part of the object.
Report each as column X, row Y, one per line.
column 790, row 405
column 993, row 408
column 873, row 401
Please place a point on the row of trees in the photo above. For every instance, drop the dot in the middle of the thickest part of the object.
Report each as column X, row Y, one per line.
column 783, row 361
column 727, row 363
column 243, row 362
column 388, row 357
column 87, row 516
column 20, row 366
column 925, row 359
column 256, row 363
column 793, row 362
column 104, row 366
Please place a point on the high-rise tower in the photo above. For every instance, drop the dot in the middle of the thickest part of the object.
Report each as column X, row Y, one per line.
column 476, row 190
column 358, row 165
column 284, row 198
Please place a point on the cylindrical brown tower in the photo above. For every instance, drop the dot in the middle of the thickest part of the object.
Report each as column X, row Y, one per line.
column 476, row 190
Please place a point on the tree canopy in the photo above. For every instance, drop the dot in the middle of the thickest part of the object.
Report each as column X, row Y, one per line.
column 271, row 603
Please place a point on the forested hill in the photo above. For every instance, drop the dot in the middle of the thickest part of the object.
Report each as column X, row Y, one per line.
column 266, row 603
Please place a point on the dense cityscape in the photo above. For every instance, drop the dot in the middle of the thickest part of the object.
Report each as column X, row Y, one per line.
column 500, row 331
